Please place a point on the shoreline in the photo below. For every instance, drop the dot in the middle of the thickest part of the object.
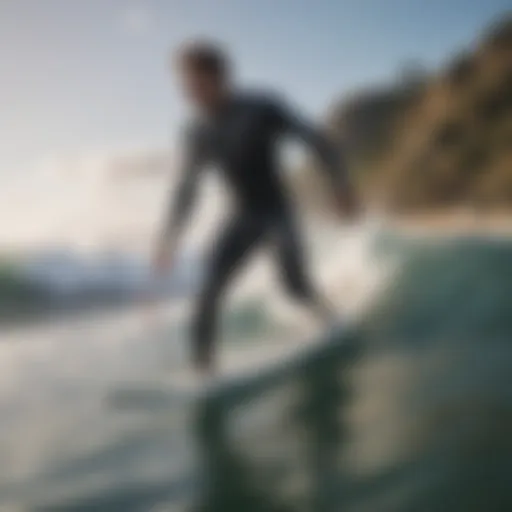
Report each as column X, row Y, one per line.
column 458, row 222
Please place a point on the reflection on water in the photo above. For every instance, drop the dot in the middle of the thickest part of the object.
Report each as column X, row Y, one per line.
column 409, row 412
column 229, row 484
column 310, row 414
column 324, row 394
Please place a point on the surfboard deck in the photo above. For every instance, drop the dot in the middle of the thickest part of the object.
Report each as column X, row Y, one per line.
column 241, row 372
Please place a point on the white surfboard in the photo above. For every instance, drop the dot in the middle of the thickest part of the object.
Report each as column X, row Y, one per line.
column 241, row 372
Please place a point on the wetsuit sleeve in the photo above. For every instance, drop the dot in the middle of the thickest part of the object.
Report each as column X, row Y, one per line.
column 182, row 199
column 331, row 156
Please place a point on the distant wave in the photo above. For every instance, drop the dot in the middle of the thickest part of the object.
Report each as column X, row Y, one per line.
column 61, row 279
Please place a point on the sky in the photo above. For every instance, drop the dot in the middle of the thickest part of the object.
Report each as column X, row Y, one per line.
column 84, row 77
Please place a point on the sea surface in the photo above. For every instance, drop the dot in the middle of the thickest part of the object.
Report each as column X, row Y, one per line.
column 411, row 411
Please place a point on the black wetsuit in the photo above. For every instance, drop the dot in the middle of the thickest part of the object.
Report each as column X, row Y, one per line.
column 241, row 140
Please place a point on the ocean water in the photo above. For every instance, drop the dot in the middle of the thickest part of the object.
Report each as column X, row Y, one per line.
column 410, row 411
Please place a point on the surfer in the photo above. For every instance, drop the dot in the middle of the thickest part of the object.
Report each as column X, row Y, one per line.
column 239, row 132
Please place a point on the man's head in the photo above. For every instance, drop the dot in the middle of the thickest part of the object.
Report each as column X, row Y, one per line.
column 204, row 72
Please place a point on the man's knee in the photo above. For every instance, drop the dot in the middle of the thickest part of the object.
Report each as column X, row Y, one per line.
column 202, row 325
column 206, row 303
column 297, row 285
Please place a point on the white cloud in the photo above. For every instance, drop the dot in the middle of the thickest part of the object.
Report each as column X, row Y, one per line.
column 99, row 199
column 137, row 20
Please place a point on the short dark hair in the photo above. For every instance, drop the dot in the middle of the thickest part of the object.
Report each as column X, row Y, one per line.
column 206, row 57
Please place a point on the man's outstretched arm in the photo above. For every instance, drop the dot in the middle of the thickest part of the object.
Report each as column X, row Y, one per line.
column 331, row 156
column 180, row 206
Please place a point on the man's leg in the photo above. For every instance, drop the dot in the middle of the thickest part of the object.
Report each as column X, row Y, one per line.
column 237, row 240
column 294, row 272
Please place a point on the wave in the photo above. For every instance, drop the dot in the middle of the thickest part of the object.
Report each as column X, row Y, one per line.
column 61, row 280
column 383, row 429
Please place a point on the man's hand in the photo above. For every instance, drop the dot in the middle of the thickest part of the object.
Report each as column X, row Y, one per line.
column 161, row 264
column 347, row 203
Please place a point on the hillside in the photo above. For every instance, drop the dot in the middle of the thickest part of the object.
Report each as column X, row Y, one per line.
column 433, row 140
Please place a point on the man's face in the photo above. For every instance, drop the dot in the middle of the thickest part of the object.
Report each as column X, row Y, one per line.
column 202, row 89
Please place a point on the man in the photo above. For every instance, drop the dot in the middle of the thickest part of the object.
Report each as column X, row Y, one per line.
column 239, row 133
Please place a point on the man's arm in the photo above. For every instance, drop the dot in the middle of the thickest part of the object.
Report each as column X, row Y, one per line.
column 181, row 204
column 331, row 157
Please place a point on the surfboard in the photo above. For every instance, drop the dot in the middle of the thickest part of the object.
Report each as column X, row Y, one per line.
column 241, row 373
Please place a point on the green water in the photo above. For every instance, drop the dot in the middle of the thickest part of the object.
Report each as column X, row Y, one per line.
column 437, row 346
column 411, row 413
